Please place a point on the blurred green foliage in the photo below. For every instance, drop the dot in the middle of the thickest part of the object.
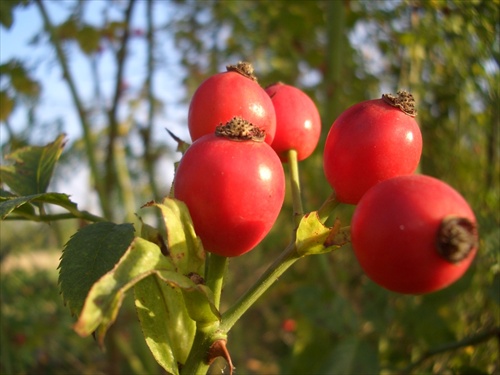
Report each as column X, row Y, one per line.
column 446, row 52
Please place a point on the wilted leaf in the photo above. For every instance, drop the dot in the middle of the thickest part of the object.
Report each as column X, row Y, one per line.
column 92, row 252
column 33, row 167
column 313, row 237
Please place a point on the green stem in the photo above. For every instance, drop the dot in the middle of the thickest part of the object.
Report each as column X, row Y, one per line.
column 216, row 271
column 327, row 207
column 275, row 270
column 196, row 362
column 298, row 210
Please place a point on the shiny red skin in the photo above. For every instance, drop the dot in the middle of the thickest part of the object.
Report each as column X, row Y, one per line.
column 298, row 124
column 394, row 230
column 234, row 192
column 226, row 95
column 368, row 143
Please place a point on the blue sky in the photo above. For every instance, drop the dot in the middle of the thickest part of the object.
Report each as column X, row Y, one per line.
column 56, row 103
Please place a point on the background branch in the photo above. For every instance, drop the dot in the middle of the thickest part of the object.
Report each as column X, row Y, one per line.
column 468, row 341
column 82, row 115
column 112, row 113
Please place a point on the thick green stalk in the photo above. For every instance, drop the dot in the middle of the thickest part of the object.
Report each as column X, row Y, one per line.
column 216, row 271
column 196, row 362
column 206, row 335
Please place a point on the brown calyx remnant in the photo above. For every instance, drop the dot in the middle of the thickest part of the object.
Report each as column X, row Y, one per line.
column 456, row 238
column 218, row 349
column 403, row 100
column 196, row 278
column 244, row 68
column 239, row 129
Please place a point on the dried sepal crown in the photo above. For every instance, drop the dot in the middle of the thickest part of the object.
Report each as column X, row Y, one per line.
column 239, row 129
column 403, row 100
column 244, row 68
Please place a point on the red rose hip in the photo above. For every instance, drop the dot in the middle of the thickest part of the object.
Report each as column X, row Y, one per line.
column 298, row 124
column 370, row 142
column 233, row 185
column 234, row 93
column 414, row 234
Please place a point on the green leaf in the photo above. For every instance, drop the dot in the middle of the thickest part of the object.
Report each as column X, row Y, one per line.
column 168, row 304
column 313, row 237
column 33, row 167
column 12, row 203
column 155, row 236
column 104, row 299
column 166, row 325
column 183, row 245
column 21, row 206
column 186, row 251
column 89, row 254
column 198, row 298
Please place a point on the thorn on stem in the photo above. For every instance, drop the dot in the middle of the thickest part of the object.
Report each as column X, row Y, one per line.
column 218, row 349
